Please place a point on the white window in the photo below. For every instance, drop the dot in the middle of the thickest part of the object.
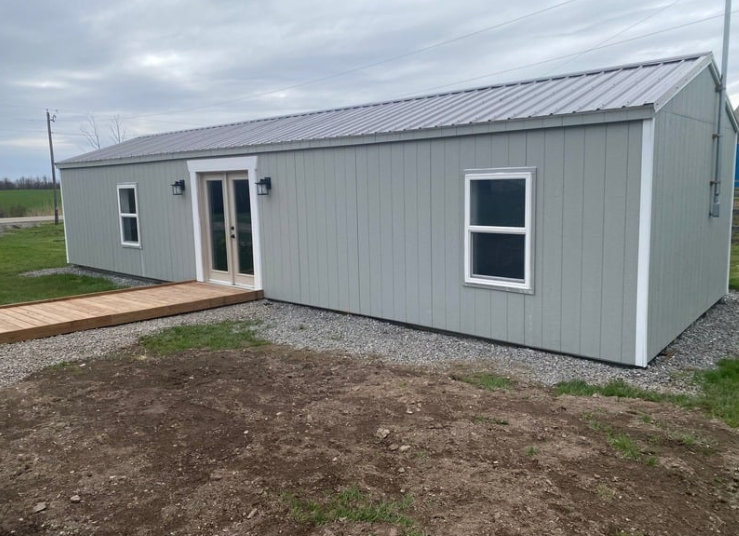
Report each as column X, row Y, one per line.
column 498, row 228
column 128, row 213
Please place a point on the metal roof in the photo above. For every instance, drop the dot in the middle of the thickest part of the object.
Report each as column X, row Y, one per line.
column 615, row 88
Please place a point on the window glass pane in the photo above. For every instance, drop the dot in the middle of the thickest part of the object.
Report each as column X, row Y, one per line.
column 498, row 255
column 128, row 200
column 498, row 202
column 130, row 229
column 217, row 215
column 243, row 227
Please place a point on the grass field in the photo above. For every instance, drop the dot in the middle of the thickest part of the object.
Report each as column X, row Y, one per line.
column 22, row 203
column 734, row 274
column 36, row 248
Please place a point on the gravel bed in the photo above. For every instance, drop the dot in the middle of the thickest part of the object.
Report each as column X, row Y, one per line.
column 116, row 279
column 712, row 337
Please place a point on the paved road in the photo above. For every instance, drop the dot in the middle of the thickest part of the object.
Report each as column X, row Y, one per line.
column 31, row 219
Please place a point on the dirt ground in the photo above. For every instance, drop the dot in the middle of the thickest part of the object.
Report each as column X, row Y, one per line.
column 211, row 442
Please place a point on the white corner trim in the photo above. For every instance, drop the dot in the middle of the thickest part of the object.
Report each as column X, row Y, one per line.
column 645, row 245
column 731, row 218
column 217, row 165
column 66, row 238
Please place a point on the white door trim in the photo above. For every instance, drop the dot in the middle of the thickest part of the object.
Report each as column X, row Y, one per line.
column 215, row 165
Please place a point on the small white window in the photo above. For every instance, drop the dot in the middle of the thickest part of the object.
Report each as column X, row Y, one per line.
column 128, row 212
column 498, row 228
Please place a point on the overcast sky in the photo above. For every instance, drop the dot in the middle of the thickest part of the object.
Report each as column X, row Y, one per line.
column 174, row 64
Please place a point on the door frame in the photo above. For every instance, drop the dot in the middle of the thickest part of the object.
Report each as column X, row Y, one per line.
column 224, row 165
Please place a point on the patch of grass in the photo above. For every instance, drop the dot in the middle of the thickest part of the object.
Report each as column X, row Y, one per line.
column 221, row 336
column 720, row 386
column 352, row 504
column 486, row 419
column 491, row 382
column 719, row 394
column 62, row 365
column 604, row 492
column 622, row 443
column 21, row 203
column 646, row 419
column 617, row 388
column 36, row 248
column 734, row 268
column 625, row 445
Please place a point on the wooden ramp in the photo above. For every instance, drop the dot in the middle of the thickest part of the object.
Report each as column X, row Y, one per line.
column 45, row 318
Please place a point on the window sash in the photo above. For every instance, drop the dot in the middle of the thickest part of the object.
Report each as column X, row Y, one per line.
column 524, row 284
column 128, row 215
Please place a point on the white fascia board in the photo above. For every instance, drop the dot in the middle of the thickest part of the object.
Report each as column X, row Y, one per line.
column 645, row 244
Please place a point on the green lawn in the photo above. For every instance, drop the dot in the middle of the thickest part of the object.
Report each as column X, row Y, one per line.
column 718, row 391
column 24, row 250
column 21, row 203
column 734, row 276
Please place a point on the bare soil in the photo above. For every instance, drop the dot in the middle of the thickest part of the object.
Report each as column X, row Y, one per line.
column 210, row 442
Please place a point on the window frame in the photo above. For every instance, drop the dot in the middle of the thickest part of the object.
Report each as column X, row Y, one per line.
column 501, row 283
column 131, row 215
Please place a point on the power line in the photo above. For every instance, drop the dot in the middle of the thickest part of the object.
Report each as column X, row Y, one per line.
column 645, row 19
column 519, row 67
column 366, row 66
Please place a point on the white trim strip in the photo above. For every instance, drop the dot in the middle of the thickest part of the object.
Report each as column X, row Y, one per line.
column 61, row 198
column 641, row 357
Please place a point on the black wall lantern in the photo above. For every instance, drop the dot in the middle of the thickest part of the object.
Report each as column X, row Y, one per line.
column 178, row 187
column 264, row 186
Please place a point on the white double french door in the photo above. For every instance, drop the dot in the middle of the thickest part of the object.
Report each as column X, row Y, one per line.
column 228, row 236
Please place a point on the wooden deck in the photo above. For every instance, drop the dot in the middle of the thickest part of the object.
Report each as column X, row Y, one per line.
column 46, row 318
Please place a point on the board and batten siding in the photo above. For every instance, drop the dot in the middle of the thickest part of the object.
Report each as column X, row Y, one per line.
column 165, row 221
column 378, row 230
column 689, row 249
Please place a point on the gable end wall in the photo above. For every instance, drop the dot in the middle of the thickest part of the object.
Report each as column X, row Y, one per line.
column 689, row 250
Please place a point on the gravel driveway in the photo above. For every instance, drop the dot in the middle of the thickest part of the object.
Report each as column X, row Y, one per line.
column 713, row 337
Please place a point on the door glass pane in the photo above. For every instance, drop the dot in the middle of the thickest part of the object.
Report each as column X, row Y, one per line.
column 243, row 227
column 498, row 202
column 498, row 255
column 217, row 217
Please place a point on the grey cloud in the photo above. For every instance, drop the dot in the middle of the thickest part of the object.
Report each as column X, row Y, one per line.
column 139, row 57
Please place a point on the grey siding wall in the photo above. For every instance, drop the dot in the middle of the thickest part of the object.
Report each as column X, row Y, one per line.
column 378, row 230
column 165, row 221
column 689, row 250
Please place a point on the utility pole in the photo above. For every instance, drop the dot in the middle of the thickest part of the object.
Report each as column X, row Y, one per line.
column 49, row 119
column 716, row 183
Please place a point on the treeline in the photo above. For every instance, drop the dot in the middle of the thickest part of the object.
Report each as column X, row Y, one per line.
column 26, row 183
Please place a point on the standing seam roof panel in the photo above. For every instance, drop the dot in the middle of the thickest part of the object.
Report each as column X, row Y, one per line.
column 599, row 90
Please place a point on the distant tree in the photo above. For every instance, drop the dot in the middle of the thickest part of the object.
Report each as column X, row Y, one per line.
column 117, row 129
column 26, row 183
column 91, row 131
